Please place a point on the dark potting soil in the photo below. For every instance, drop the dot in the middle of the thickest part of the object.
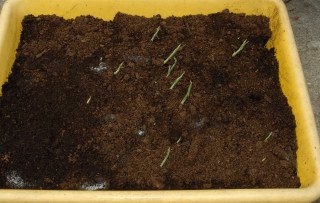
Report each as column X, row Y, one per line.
column 68, row 122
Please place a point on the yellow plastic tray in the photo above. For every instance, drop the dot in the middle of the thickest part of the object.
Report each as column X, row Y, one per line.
column 291, row 78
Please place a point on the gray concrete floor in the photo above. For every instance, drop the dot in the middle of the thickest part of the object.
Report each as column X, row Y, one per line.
column 305, row 21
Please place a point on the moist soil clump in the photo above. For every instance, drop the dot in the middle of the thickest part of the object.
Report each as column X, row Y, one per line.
column 70, row 120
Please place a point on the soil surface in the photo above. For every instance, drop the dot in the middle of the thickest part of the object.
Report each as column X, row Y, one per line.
column 67, row 121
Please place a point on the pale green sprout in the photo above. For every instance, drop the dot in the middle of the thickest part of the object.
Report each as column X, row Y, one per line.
column 245, row 42
column 166, row 157
column 118, row 69
column 268, row 137
column 187, row 94
column 176, row 81
column 155, row 35
column 178, row 141
column 172, row 66
column 88, row 101
column 173, row 53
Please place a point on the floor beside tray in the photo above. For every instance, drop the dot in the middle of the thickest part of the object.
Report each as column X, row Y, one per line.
column 305, row 23
column 1, row 4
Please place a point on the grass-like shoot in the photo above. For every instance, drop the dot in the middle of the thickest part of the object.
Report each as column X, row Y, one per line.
column 88, row 101
column 155, row 35
column 118, row 69
column 172, row 66
column 166, row 157
column 173, row 53
column 245, row 42
column 176, row 81
column 187, row 94
column 268, row 137
column 178, row 141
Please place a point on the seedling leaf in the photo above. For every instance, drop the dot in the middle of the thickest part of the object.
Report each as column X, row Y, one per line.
column 187, row 94
column 88, row 101
column 172, row 66
column 166, row 157
column 173, row 53
column 178, row 141
column 245, row 42
column 268, row 137
column 176, row 81
column 155, row 35
column 118, row 69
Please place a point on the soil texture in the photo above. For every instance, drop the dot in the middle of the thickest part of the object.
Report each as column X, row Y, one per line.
column 70, row 119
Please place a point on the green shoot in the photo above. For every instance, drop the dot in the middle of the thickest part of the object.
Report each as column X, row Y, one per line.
column 166, row 157
column 178, row 140
column 173, row 53
column 155, row 35
column 118, row 69
column 88, row 101
column 268, row 137
column 172, row 66
column 245, row 42
column 187, row 94
column 176, row 81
